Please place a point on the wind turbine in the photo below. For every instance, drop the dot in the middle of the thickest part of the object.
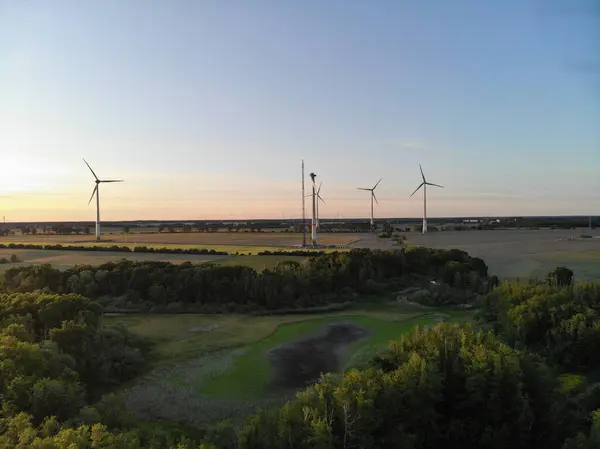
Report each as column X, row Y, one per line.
column 424, row 184
column 314, row 211
column 319, row 198
column 97, row 193
column 373, row 197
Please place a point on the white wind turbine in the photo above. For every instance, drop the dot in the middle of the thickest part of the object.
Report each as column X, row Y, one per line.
column 318, row 198
column 97, row 193
column 373, row 197
column 424, row 184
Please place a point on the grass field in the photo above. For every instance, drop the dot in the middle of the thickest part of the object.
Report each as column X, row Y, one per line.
column 216, row 367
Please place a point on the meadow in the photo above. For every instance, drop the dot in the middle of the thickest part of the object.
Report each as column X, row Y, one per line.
column 210, row 367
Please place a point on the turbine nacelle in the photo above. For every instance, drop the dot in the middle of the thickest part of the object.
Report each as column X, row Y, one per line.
column 424, row 183
column 372, row 190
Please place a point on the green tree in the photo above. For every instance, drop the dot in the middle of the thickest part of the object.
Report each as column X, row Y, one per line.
column 560, row 276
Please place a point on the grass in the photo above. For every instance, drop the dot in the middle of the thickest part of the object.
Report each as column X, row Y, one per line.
column 203, row 377
column 250, row 374
column 175, row 337
column 234, row 348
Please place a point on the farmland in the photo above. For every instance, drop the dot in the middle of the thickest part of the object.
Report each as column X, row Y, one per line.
column 508, row 253
column 243, row 241
column 217, row 367
column 522, row 253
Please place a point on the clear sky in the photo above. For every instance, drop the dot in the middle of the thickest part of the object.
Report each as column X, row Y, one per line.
column 206, row 107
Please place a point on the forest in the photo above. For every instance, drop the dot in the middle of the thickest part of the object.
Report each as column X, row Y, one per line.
column 523, row 375
column 159, row 287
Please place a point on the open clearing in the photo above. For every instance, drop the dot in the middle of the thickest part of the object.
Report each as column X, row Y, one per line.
column 216, row 367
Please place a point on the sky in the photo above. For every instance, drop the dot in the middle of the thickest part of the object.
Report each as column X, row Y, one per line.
column 206, row 108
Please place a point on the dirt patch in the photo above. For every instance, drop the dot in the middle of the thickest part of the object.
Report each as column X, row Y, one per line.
column 206, row 328
column 300, row 363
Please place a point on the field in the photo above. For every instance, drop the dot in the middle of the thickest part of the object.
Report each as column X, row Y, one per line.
column 509, row 253
column 243, row 242
column 217, row 367
column 522, row 253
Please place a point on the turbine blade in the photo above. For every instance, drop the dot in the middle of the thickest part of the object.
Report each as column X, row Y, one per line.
column 362, row 188
column 319, row 196
column 319, row 189
column 93, row 193
column 90, row 169
column 422, row 175
column 374, row 197
column 113, row 180
column 420, row 185
column 377, row 184
column 437, row 185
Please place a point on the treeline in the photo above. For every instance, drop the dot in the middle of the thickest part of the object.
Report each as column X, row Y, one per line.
column 544, row 222
column 330, row 278
column 115, row 248
column 298, row 252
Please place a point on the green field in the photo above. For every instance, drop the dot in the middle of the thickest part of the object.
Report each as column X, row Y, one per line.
column 210, row 367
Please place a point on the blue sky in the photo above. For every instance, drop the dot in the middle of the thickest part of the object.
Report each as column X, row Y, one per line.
column 206, row 108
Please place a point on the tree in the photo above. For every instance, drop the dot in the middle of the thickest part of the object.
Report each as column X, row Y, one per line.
column 560, row 276
column 126, row 230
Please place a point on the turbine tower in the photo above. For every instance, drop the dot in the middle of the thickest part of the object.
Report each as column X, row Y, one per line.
column 424, row 184
column 373, row 197
column 314, row 211
column 97, row 193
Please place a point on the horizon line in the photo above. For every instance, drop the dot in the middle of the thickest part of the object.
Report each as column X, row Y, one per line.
column 307, row 219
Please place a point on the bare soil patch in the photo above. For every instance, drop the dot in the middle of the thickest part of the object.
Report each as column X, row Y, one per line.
column 301, row 363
